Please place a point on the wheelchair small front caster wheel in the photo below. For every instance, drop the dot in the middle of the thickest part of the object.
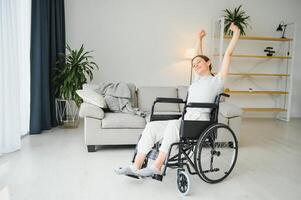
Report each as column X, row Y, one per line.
column 183, row 182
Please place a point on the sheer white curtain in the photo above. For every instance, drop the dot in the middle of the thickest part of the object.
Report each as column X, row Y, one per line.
column 15, row 17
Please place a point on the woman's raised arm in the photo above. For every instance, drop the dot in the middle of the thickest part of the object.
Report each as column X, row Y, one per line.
column 227, row 57
column 199, row 42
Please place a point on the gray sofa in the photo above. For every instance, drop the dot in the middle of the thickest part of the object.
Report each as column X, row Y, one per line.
column 108, row 128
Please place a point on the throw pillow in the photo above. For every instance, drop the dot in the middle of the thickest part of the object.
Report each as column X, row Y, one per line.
column 92, row 97
column 112, row 103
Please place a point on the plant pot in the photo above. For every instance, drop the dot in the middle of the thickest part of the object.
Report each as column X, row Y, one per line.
column 66, row 113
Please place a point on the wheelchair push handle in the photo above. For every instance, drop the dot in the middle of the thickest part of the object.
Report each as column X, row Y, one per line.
column 224, row 94
column 218, row 97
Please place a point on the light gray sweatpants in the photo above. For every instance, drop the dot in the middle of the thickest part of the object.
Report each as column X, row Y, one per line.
column 166, row 132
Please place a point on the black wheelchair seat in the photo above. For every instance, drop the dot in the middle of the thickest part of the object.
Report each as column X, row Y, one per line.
column 192, row 129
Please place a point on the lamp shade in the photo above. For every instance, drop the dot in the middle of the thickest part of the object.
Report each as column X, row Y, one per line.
column 190, row 53
column 279, row 28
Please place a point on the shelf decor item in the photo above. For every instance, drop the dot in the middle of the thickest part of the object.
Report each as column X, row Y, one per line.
column 238, row 17
column 71, row 73
column 282, row 27
column 269, row 50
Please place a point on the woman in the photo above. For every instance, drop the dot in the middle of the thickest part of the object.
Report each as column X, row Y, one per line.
column 204, row 89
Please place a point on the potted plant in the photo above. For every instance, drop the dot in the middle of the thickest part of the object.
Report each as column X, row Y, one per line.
column 71, row 72
column 238, row 17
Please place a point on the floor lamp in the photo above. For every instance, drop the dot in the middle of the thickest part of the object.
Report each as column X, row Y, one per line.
column 189, row 54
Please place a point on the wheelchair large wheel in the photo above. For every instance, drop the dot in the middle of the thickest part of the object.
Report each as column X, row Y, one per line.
column 216, row 153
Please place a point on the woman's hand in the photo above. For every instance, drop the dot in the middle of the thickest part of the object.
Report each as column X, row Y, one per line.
column 201, row 34
column 234, row 28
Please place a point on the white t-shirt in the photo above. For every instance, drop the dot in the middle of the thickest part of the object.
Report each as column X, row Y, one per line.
column 203, row 90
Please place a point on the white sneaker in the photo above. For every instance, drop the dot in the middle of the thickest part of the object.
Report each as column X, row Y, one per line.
column 130, row 170
column 147, row 172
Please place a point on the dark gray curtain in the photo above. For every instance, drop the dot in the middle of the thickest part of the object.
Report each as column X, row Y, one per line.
column 47, row 41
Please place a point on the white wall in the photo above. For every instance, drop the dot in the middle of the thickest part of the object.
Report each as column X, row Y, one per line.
column 143, row 41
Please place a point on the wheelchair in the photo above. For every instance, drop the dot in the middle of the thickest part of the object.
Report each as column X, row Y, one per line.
column 206, row 148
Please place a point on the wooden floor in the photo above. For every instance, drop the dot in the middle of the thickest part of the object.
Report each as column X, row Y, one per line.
column 56, row 166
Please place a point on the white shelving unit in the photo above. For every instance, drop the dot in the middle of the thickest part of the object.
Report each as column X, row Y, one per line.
column 281, row 95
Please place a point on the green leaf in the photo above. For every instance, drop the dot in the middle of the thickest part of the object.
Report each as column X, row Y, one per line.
column 239, row 17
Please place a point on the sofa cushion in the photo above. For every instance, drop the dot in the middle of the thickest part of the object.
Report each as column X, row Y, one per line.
column 122, row 120
column 131, row 86
column 182, row 94
column 147, row 117
column 147, row 95
column 90, row 110
column 229, row 110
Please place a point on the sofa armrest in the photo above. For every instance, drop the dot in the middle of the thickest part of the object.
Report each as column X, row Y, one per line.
column 229, row 110
column 90, row 110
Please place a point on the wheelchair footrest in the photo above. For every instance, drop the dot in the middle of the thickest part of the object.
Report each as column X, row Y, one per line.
column 133, row 176
column 157, row 177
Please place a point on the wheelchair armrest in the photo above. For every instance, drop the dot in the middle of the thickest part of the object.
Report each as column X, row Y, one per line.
column 169, row 100
column 201, row 105
column 165, row 100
